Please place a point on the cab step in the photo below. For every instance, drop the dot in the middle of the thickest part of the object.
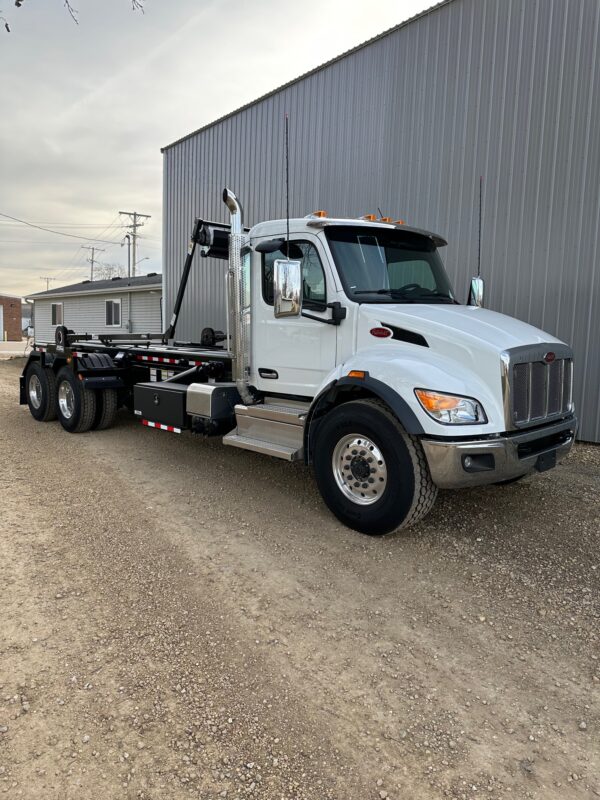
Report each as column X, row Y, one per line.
column 275, row 429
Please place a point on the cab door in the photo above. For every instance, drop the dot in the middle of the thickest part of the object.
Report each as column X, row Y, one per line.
column 293, row 355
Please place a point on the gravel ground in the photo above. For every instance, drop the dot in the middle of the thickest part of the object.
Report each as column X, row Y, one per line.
column 185, row 620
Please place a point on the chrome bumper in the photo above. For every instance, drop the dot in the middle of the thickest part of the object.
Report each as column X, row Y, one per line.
column 458, row 464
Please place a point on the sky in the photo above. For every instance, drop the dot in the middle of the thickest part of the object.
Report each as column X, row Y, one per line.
column 85, row 109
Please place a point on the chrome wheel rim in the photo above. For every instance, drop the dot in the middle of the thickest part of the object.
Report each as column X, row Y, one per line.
column 359, row 469
column 35, row 391
column 66, row 399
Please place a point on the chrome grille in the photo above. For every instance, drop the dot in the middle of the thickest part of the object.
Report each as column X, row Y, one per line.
column 539, row 390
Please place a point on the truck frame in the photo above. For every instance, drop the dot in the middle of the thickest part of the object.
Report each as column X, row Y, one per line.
column 389, row 391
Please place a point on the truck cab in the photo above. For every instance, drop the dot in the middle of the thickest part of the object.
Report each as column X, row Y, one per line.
column 369, row 316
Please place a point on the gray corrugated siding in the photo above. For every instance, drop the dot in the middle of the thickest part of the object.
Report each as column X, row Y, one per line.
column 87, row 314
column 507, row 89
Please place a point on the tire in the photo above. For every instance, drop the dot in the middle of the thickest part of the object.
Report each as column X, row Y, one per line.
column 40, row 386
column 75, row 405
column 60, row 336
column 354, row 433
column 106, row 409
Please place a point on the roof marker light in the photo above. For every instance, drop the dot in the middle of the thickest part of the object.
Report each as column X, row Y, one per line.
column 385, row 219
column 368, row 217
column 399, row 222
column 319, row 214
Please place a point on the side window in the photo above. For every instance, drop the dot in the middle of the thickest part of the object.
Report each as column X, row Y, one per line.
column 314, row 290
column 57, row 313
column 113, row 313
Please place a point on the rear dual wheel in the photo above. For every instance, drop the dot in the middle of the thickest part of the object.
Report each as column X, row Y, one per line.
column 75, row 405
column 40, row 386
column 78, row 409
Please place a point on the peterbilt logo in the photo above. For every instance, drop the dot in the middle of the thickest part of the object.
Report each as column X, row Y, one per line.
column 549, row 357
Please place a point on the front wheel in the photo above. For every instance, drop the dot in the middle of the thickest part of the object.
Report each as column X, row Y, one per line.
column 372, row 475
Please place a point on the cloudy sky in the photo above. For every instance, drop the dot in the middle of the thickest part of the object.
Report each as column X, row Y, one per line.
column 85, row 109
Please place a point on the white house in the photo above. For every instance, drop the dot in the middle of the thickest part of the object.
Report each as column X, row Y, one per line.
column 120, row 305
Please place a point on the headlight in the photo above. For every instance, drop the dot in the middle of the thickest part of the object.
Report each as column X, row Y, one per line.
column 451, row 409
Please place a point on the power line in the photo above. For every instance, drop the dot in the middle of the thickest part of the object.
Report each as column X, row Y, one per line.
column 5, row 224
column 58, row 233
column 47, row 279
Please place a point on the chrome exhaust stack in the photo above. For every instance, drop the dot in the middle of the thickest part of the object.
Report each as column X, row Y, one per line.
column 238, row 289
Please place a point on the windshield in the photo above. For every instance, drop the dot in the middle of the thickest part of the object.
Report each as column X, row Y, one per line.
column 379, row 265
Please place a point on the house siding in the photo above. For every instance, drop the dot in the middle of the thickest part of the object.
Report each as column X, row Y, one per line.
column 87, row 314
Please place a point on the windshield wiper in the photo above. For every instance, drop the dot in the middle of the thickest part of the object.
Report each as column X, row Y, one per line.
column 411, row 297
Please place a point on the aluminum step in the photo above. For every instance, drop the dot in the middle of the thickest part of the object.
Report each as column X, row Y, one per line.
column 276, row 429
column 259, row 446
column 277, row 412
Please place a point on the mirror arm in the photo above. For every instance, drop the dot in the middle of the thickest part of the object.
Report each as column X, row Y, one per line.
column 338, row 314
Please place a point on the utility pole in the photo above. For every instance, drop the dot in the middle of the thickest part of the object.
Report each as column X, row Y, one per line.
column 134, row 216
column 92, row 259
column 44, row 278
column 128, row 237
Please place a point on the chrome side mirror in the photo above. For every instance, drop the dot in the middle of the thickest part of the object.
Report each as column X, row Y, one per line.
column 476, row 292
column 287, row 288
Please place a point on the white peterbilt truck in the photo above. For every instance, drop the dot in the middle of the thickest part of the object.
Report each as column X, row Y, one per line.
column 347, row 348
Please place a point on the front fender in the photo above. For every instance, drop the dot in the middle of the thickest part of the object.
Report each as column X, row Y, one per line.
column 393, row 373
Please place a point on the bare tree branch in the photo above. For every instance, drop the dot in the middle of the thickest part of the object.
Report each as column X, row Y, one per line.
column 105, row 272
column 72, row 11
column 136, row 5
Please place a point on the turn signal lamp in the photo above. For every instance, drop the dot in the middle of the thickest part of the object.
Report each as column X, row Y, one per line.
column 433, row 402
column 357, row 373
column 450, row 409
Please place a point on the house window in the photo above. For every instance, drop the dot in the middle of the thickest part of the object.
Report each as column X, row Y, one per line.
column 57, row 313
column 113, row 313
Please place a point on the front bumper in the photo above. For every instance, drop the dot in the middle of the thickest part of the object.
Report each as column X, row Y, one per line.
column 457, row 464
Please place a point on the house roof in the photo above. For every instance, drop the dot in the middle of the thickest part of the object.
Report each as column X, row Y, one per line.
column 152, row 280
column 304, row 75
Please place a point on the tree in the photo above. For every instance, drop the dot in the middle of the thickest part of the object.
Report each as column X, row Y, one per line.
column 136, row 5
column 104, row 272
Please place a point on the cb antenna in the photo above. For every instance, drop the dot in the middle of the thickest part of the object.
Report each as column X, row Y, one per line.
column 287, row 183
column 479, row 238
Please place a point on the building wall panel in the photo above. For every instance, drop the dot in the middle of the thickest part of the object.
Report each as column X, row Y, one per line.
column 506, row 89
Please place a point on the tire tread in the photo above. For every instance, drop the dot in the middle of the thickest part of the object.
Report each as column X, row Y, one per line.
column 106, row 409
column 425, row 489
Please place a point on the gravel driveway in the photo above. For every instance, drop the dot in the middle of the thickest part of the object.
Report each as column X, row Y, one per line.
column 185, row 620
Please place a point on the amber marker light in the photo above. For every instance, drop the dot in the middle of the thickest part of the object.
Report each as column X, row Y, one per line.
column 369, row 217
column 319, row 214
column 357, row 373
column 436, row 402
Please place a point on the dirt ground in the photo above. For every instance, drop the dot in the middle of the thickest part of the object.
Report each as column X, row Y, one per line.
column 184, row 620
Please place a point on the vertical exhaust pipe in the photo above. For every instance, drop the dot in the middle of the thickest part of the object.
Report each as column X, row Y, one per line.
column 239, row 317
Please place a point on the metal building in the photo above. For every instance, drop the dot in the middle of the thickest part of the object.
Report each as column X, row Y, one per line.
column 407, row 123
